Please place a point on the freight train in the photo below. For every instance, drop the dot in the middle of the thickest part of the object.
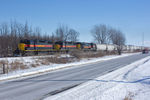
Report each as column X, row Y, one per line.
column 34, row 47
column 37, row 46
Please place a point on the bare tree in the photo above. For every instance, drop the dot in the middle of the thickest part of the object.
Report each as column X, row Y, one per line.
column 100, row 33
column 118, row 38
column 4, row 29
column 26, row 31
column 36, row 34
column 73, row 35
column 53, row 38
column 62, row 33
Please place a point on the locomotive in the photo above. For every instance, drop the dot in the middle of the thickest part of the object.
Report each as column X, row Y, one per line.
column 37, row 46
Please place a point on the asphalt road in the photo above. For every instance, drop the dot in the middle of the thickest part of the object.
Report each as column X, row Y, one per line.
column 39, row 87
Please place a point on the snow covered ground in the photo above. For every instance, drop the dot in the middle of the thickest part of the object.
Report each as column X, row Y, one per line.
column 128, row 83
column 46, row 68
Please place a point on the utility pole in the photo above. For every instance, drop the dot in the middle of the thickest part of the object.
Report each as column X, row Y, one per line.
column 143, row 40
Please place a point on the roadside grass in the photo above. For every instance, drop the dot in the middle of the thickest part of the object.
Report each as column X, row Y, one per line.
column 58, row 58
column 55, row 60
column 127, row 98
column 2, row 62
column 75, row 55
column 12, row 66
column 17, row 65
column 89, row 54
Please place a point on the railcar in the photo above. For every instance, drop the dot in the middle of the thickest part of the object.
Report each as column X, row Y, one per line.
column 88, row 46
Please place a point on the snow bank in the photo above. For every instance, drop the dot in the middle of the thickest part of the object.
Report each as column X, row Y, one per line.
column 128, row 83
column 47, row 68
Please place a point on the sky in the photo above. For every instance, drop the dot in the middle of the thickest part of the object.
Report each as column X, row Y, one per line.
column 132, row 17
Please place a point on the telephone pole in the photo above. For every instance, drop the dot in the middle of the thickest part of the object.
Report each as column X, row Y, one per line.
column 143, row 40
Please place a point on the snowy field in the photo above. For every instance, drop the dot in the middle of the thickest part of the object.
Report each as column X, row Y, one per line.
column 128, row 83
column 29, row 61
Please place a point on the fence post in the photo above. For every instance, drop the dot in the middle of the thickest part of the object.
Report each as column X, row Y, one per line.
column 7, row 68
column 3, row 68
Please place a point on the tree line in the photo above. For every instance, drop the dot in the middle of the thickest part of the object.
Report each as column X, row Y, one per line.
column 11, row 33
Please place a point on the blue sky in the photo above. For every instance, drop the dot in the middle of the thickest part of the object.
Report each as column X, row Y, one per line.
column 130, row 16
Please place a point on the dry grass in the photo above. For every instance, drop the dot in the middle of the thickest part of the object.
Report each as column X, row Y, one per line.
column 44, row 62
column 56, row 60
column 2, row 62
column 90, row 54
column 12, row 66
column 76, row 55
column 129, row 96
column 35, row 65
column 112, row 53
column 134, row 51
column 16, row 65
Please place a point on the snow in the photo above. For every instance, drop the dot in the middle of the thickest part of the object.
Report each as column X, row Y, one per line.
column 46, row 68
column 131, row 82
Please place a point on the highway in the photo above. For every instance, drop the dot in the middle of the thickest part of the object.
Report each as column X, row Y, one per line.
column 41, row 86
